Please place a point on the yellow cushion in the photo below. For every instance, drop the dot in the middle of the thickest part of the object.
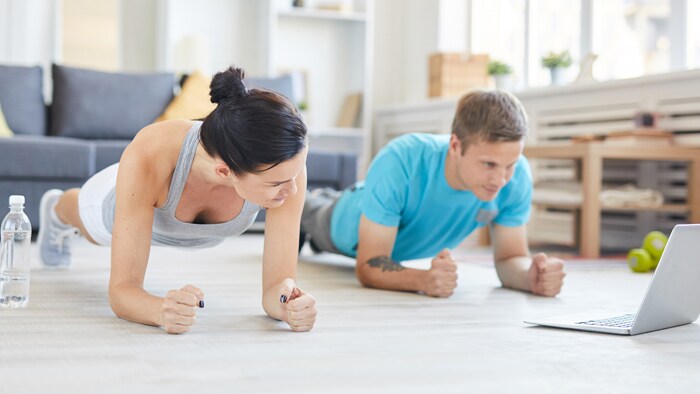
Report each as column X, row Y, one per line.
column 4, row 128
column 192, row 102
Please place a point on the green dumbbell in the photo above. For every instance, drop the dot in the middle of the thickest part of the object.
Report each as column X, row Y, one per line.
column 640, row 260
column 654, row 243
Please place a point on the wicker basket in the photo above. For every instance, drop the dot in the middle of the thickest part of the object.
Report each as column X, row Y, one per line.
column 451, row 74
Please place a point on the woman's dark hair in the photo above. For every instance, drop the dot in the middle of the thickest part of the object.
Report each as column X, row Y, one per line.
column 250, row 130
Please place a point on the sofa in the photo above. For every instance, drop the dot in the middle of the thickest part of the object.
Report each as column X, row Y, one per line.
column 92, row 117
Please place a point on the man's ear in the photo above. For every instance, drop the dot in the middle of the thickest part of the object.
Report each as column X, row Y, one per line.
column 455, row 145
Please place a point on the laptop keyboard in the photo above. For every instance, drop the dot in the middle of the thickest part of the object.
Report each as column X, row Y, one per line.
column 624, row 321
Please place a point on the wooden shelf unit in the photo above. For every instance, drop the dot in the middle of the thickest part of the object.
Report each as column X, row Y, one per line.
column 591, row 156
column 670, row 208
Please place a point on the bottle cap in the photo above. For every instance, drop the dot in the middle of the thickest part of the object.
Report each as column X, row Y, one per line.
column 16, row 200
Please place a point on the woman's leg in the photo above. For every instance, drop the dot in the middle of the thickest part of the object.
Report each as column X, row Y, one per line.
column 65, row 214
column 67, row 211
column 55, row 234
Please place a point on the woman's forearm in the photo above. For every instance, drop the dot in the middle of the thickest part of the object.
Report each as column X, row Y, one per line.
column 271, row 303
column 136, row 305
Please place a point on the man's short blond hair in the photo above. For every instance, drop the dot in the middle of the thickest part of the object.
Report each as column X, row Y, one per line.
column 489, row 116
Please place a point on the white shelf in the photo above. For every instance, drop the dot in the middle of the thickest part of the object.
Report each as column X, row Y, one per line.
column 334, row 51
column 352, row 132
column 311, row 13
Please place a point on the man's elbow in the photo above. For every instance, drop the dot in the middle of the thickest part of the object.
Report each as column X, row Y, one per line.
column 365, row 275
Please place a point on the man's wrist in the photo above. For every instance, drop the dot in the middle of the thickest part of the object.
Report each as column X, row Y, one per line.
column 514, row 273
column 420, row 280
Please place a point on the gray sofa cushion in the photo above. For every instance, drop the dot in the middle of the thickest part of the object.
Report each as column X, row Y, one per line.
column 108, row 152
column 100, row 105
column 35, row 157
column 283, row 85
column 22, row 99
column 327, row 169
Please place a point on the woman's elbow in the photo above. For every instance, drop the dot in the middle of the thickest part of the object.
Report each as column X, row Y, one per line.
column 116, row 306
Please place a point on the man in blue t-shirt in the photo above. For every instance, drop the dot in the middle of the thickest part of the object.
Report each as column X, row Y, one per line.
column 425, row 193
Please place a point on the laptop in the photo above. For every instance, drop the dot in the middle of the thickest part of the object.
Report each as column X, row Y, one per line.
column 672, row 298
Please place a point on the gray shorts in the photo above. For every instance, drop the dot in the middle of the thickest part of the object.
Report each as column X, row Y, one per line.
column 316, row 218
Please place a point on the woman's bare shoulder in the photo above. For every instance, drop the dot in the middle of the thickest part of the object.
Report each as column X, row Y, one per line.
column 159, row 141
column 157, row 146
column 163, row 135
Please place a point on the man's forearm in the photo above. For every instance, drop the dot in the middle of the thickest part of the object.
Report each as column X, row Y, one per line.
column 513, row 272
column 383, row 273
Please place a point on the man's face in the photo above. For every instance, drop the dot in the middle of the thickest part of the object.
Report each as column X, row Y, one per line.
column 484, row 168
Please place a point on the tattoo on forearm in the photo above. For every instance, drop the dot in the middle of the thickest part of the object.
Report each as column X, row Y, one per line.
column 385, row 263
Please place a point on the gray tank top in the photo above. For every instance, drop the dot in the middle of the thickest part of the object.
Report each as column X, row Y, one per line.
column 167, row 229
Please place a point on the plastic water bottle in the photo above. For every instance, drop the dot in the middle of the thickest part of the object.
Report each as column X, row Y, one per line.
column 16, row 236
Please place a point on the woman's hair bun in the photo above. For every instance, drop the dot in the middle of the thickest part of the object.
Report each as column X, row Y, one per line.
column 227, row 85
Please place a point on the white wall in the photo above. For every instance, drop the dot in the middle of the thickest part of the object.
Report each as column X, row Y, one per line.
column 216, row 23
column 388, row 52
column 137, row 32
column 406, row 33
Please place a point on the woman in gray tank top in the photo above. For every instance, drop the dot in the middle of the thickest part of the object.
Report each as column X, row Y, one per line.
column 190, row 184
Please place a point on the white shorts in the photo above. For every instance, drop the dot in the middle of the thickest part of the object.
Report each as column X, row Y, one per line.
column 90, row 200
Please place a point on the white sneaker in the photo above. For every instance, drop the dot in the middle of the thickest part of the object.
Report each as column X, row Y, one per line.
column 54, row 236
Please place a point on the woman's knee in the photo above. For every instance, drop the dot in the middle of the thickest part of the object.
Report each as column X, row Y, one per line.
column 67, row 208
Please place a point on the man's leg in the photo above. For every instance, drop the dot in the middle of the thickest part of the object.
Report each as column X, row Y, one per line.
column 316, row 219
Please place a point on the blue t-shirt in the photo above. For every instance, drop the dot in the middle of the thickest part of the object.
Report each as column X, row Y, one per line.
column 406, row 188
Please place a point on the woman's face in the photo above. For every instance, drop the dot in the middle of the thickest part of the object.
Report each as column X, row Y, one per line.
column 270, row 188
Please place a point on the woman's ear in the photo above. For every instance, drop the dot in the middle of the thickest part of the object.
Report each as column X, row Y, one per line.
column 222, row 170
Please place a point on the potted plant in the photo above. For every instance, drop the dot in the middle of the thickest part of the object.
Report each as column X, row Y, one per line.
column 303, row 108
column 557, row 62
column 501, row 73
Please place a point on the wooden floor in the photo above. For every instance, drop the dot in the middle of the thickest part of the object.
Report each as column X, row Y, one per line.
column 365, row 341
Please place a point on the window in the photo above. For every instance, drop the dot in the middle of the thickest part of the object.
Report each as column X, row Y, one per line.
column 555, row 26
column 694, row 34
column 631, row 37
column 498, row 28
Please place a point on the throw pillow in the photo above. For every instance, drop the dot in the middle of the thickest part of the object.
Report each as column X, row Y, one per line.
column 193, row 102
column 22, row 97
column 101, row 105
column 4, row 128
